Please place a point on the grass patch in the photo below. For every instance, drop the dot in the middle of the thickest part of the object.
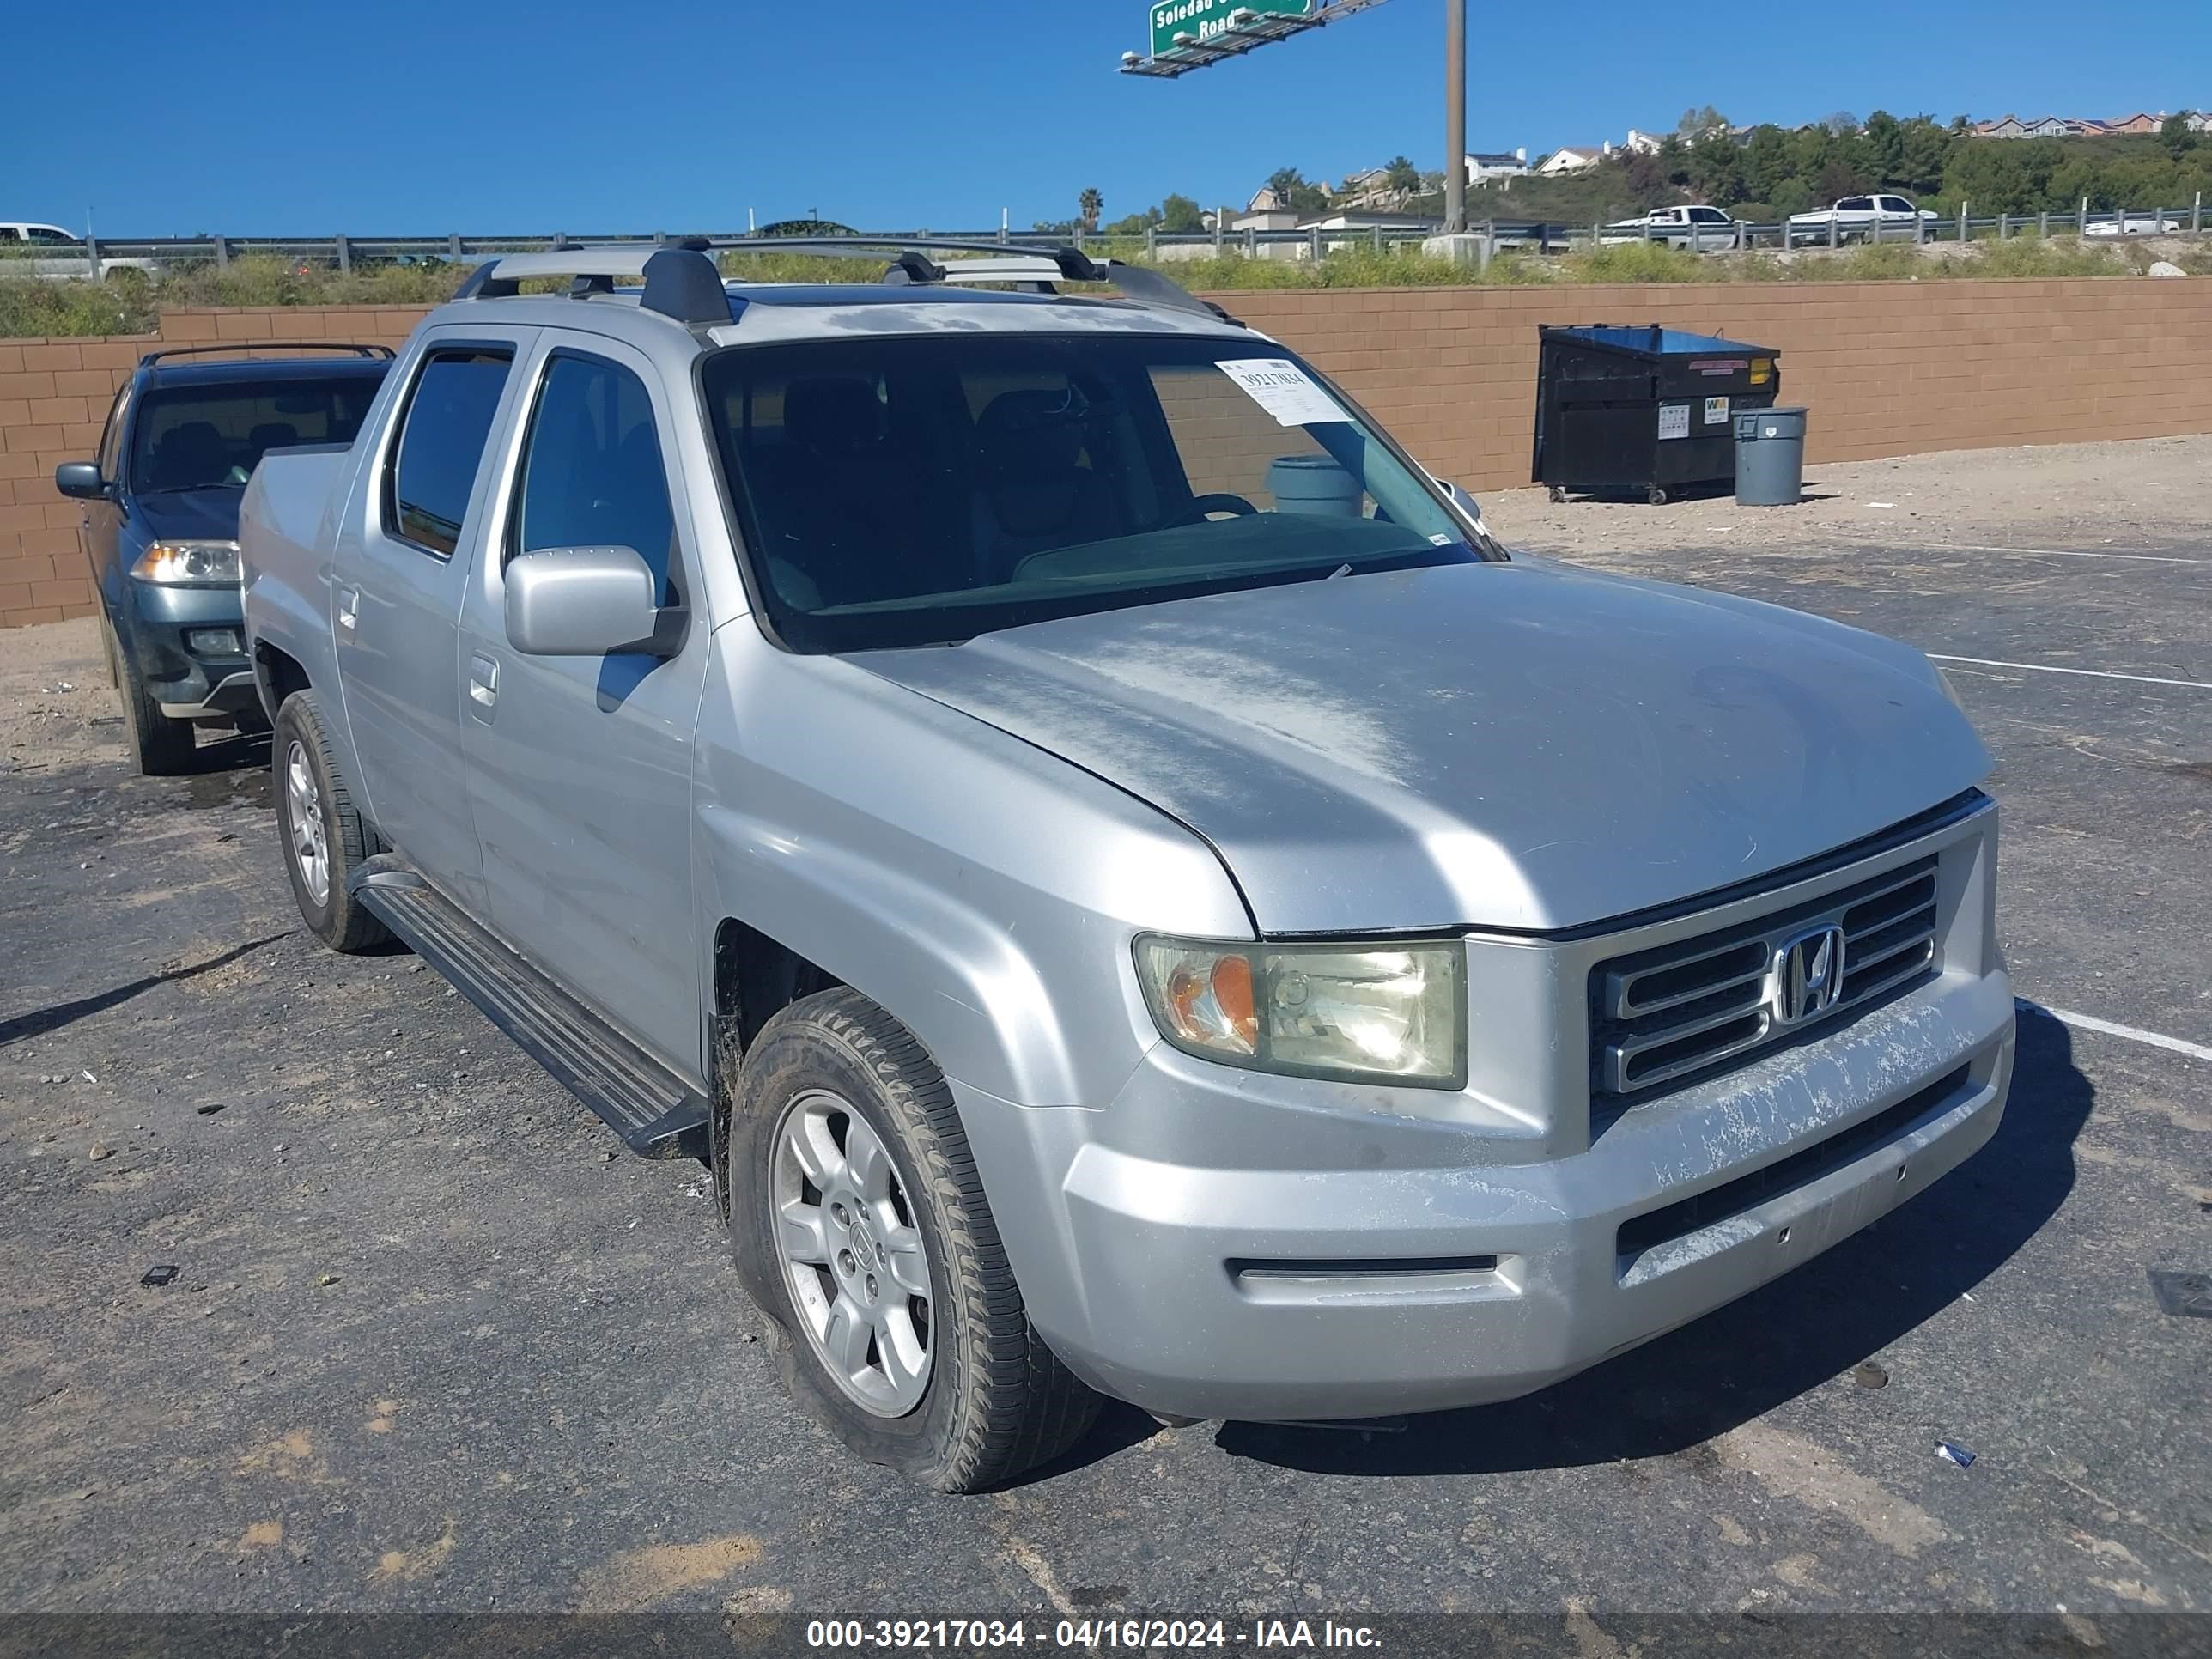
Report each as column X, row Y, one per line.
column 129, row 302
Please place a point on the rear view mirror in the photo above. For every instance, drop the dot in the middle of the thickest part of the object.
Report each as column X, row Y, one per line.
column 81, row 480
column 587, row 602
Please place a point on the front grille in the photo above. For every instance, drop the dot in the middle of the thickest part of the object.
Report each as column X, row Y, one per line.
column 1662, row 1015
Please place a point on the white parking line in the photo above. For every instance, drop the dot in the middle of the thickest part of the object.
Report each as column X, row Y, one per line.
column 2091, row 1023
column 2034, row 552
column 2091, row 673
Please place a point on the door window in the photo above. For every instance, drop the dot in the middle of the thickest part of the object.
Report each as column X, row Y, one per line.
column 592, row 472
column 441, row 440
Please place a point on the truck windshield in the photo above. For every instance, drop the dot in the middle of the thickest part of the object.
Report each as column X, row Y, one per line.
column 923, row 490
column 212, row 436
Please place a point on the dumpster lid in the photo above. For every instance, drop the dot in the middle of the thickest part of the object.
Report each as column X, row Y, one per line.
column 1665, row 342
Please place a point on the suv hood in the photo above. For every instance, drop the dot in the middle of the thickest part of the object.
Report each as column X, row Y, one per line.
column 209, row 514
column 1519, row 746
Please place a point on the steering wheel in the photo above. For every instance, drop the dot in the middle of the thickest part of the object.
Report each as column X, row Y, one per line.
column 1202, row 508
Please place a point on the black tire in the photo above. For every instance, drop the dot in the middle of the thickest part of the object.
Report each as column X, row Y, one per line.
column 347, row 838
column 998, row 1401
column 160, row 747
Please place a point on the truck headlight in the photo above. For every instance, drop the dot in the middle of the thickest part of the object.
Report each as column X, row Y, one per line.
column 188, row 562
column 1378, row 1012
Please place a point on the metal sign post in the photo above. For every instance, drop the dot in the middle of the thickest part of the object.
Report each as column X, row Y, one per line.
column 1455, row 115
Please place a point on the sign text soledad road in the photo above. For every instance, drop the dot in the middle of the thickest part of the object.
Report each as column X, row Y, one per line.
column 1205, row 19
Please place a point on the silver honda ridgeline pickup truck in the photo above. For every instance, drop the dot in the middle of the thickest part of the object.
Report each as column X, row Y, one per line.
column 1133, row 889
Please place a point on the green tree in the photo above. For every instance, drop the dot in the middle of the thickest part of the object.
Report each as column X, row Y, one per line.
column 1180, row 215
column 1294, row 192
column 2177, row 135
column 1881, row 148
column 1697, row 122
column 1765, row 162
column 1088, row 207
column 1402, row 176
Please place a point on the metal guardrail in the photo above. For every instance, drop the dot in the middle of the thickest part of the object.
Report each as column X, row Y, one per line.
column 347, row 253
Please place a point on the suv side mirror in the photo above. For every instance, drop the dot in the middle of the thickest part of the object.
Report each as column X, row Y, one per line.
column 81, row 480
column 587, row 602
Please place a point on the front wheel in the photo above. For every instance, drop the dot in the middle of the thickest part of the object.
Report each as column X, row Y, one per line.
column 160, row 747
column 861, row 1225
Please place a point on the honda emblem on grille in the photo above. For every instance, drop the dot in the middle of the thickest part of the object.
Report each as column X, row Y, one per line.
column 1808, row 976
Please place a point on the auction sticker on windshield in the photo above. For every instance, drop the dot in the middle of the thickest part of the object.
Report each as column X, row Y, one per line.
column 1284, row 390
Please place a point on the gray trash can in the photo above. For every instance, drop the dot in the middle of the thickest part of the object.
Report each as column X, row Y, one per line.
column 1769, row 457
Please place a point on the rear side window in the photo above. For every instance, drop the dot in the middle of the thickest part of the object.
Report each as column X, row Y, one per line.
column 592, row 475
column 442, row 441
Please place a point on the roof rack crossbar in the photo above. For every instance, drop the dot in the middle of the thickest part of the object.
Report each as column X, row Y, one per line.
column 683, row 281
column 1073, row 265
column 383, row 351
column 680, row 277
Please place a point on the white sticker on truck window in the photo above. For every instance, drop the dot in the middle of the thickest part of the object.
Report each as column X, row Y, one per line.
column 1284, row 390
column 1674, row 419
column 1716, row 411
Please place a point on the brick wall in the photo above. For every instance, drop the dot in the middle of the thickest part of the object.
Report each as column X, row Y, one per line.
column 1887, row 369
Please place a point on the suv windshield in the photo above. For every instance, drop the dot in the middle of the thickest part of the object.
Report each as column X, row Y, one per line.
column 212, row 436
column 923, row 490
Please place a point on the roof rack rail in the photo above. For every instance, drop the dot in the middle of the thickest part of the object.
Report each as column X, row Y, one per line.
column 383, row 351
column 682, row 280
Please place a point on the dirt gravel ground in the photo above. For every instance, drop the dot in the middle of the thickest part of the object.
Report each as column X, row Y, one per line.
column 435, row 1345
column 2064, row 496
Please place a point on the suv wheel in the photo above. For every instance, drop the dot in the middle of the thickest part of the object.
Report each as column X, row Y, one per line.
column 860, row 1226
column 324, row 837
column 160, row 747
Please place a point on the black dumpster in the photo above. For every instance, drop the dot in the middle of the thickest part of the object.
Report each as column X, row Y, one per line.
column 1648, row 409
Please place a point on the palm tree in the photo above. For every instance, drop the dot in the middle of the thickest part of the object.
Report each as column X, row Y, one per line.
column 1088, row 207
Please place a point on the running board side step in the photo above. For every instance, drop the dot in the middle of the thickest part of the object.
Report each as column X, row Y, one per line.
column 656, row 1112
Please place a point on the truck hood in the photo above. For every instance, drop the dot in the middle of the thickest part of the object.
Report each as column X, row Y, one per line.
column 1522, row 746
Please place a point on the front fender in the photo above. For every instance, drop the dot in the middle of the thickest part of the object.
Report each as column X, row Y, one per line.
column 982, row 891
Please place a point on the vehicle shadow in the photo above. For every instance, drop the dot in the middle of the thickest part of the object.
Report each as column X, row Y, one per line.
column 41, row 1021
column 1784, row 1338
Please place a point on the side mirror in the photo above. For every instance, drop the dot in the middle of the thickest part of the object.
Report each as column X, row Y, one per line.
column 587, row 602
column 81, row 480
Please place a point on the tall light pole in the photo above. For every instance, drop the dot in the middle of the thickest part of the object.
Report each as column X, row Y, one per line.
column 1455, row 115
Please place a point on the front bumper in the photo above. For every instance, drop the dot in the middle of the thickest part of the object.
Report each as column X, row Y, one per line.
column 1217, row 1244
column 166, row 632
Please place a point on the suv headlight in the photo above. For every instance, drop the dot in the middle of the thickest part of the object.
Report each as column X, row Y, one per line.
column 188, row 562
column 1375, row 1012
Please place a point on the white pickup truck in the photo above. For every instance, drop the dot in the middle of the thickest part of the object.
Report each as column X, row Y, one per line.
column 1860, row 219
column 1693, row 227
column 29, row 248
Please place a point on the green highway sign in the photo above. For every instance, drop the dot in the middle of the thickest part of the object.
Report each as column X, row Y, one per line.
column 1203, row 21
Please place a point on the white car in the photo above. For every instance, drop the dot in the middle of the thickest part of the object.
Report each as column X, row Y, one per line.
column 2131, row 224
column 29, row 248
column 1697, row 225
column 1860, row 219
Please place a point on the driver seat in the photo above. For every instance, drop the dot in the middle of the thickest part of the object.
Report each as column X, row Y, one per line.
column 1034, row 492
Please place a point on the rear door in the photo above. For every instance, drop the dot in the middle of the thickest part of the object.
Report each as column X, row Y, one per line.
column 581, row 767
column 396, row 598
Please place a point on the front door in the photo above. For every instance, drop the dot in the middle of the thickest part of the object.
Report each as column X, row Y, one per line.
column 100, row 526
column 396, row 599
column 581, row 767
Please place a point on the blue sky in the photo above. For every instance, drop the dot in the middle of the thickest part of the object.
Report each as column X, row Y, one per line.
column 405, row 116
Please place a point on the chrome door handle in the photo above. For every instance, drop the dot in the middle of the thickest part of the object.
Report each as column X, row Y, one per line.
column 483, row 680
column 349, row 606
